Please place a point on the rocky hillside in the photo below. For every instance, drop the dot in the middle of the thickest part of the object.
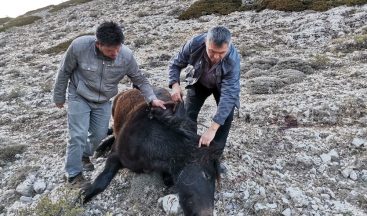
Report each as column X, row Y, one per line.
column 298, row 143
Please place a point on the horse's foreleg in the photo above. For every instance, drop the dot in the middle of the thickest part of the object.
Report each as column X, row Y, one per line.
column 112, row 166
column 104, row 146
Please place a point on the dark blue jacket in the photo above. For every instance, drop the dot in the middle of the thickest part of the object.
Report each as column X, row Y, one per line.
column 228, row 74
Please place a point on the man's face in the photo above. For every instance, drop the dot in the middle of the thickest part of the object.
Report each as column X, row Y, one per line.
column 109, row 51
column 216, row 53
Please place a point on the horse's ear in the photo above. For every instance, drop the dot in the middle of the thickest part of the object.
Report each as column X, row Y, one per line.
column 179, row 109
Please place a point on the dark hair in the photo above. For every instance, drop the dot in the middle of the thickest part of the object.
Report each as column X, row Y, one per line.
column 219, row 35
column 110, row 34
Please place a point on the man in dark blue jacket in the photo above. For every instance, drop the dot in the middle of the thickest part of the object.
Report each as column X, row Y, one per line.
column 216, row 70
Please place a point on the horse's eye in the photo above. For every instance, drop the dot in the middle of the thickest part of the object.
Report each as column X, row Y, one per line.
column 205, row 175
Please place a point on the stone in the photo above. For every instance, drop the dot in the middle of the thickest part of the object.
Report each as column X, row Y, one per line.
column 170, row 204
column 358, row 142
column 39, row 186
column 287, row 212
column 353, row 175
column 26, row 187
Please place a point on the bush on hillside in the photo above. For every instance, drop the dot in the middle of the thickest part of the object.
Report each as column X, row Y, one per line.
column 62, row 47
column 68, row 4
column 19, row 21
column 4, row 20
column 205, row 7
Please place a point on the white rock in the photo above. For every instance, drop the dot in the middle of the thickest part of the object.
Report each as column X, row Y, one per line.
column 170, row 204
column 326, row 158
column 333, row 154
column 357, row 142
column 353, row 175
column 39, row 186
column 364, row 175
column 26, row 199
column 25, row 188
column 287, row 212
column 346, row 172
column 246, row 194
column 297, row 196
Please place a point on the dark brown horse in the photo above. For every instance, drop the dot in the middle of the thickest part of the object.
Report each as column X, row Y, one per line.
column 152, row 139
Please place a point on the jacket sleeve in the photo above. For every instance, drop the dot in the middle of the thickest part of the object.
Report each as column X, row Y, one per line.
column 139, row 80
column 229, row 93
column 67, row 66
column 179, row 62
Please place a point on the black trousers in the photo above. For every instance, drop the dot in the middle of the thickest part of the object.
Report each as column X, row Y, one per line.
column 195, row 98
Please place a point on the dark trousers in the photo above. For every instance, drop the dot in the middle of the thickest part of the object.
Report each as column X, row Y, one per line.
column 195, row 98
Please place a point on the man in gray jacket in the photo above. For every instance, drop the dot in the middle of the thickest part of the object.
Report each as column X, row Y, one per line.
column 91, row 70
column 216, row 70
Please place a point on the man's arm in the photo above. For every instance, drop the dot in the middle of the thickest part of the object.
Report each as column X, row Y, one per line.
column 67, row 66
column 139, row 80
column 177, row 63
column 230, row 90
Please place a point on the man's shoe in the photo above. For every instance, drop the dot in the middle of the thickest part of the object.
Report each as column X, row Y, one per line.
column 77, row 181
column 87, row 164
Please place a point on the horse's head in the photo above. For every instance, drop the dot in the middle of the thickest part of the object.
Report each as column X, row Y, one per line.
column 196, row 187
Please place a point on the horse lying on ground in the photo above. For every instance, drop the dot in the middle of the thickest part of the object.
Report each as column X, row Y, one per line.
column 152, row 139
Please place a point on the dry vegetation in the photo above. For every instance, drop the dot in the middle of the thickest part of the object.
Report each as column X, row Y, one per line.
column 205, row 7
column 19, row 21
column 62, row 46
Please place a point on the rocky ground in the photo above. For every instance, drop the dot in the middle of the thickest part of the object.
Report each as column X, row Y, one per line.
column 298, row 143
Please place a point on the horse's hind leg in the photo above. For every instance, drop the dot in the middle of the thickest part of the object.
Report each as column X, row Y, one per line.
column 112, row 166
column 104, row 146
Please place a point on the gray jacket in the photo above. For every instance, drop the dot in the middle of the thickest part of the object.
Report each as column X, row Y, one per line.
column 93, row 76
column 228, row 74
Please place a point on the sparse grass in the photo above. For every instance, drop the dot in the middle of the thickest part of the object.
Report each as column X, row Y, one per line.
column 300, row 5
column 320, row 61
column 14, row 93
column 4, row 20
column 39, row 10
column 205, row 7
column 350, row 43
column 67, row 204
column 142, row 42
column 7, row 154
column 62, row 47
column 19, row 21
column 68, row 4
column 47, row 86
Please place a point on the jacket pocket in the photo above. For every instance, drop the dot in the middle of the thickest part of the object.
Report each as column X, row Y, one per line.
column 89, row 72
column 113, row 74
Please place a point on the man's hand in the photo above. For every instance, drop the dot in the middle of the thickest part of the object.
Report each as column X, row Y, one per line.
column 59, row 105
column 209, row 135
column 176, row 94
column 158, row 103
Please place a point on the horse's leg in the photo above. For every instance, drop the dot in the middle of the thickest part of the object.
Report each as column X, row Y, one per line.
column 112, row 166
column 110, row 131
column 167, row 179
column 104, row 146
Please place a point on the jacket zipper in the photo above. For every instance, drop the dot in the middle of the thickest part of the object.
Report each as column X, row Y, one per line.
column 100, row 83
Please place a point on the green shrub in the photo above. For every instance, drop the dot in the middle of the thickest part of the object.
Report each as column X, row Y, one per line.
column 320, row 61
column 205, row 7
column 361, row 41
column 68, row 4
column 7, row 153
column 62, row 47
column 19, row 21
column 67, row 204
